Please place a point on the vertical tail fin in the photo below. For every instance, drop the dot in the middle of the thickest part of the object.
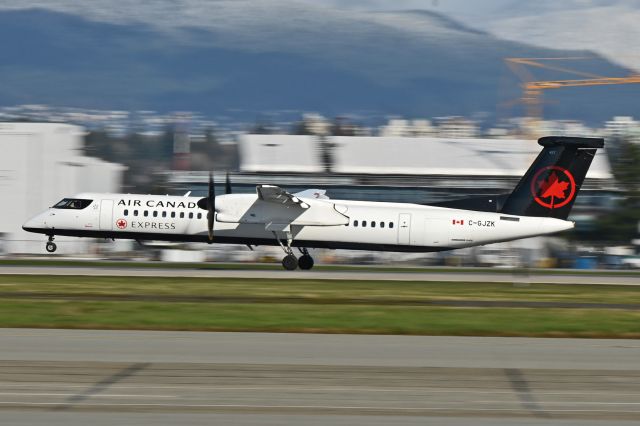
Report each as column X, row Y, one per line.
column 551, row 184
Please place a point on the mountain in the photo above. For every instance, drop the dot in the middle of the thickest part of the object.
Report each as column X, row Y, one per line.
column 236, row 60
column 607, row 27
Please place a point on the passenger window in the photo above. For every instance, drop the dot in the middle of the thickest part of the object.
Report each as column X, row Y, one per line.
column 173, row 214
column 190, row 215
column 155, row 213
column 135, row 212
column 164, row 214
column 126, row 212
column 199, row 215
column 381, row 224
column 390, row 224
column 355, row 223
column 364, row 223
column 373, row 224
column 181, row 215
column 146, row 213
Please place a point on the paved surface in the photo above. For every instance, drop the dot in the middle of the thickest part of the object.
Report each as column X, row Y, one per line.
column 368, row 275
column 59, row 377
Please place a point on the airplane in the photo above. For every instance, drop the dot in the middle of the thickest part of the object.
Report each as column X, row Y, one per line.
column 539, row 205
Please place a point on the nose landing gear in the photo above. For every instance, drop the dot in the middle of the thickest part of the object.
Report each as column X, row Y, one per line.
column 51, row 246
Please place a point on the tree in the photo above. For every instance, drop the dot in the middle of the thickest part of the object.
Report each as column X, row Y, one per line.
column 621, row 224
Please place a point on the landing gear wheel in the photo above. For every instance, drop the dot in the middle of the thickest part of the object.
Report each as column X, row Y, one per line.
column 305, row 262
column 51, row 247
column 289, row 262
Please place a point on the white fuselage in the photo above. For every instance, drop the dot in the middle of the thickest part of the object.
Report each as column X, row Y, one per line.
column 246, row 219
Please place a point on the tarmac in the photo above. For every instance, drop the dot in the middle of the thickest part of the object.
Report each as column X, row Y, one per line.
column 369, row 274
column 79, row 377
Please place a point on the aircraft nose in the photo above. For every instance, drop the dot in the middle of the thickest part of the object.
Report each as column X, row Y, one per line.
column 34, row 224
column 29, row 225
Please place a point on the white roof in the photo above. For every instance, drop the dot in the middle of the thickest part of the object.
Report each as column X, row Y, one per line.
column 398, row 155
column 279, row 153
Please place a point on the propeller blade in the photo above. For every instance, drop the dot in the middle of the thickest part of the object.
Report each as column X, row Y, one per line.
column 212, row 189
column 210, row 225
column 211, row 206
column 227, row 184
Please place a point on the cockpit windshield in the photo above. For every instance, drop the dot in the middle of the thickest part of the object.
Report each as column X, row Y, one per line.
column 72, row 203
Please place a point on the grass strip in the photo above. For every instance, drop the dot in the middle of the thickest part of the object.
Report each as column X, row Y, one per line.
column 380, row 307
column 315, row 290
column 377, row 319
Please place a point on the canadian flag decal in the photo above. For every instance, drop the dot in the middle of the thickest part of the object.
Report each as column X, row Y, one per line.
column 458, row 221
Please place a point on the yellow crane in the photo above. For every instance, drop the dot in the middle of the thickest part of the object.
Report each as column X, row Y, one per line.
column 532, row 88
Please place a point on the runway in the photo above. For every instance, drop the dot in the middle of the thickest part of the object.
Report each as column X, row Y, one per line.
column 124, row 377
column 365, row 274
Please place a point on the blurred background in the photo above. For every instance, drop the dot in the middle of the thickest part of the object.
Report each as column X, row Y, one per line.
column 410, row 101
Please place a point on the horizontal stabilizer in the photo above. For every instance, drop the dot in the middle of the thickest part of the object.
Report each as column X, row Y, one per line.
column 572, row 142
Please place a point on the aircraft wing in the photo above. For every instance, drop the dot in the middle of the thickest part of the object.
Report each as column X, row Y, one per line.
column 320, row 194
column 277, row 195
column 276, row 208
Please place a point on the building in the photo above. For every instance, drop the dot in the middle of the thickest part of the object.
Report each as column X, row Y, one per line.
column 40, row 164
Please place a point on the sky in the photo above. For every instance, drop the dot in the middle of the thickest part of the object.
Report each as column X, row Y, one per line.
column 608, row 27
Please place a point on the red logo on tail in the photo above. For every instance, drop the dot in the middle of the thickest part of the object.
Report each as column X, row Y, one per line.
column 553, row 187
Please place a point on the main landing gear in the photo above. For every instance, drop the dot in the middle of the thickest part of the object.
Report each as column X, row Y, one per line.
column 305, row 262
column 51, row 246
column 290, row 262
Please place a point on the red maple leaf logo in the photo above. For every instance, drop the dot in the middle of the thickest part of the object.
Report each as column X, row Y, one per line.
column 121, row 223
column 553, row 187
column 551, row 191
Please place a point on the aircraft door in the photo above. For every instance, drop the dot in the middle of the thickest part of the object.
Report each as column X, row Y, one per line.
column 404, row 228
column 106, row 215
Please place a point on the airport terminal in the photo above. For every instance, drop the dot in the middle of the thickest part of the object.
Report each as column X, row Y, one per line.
column 41, row 164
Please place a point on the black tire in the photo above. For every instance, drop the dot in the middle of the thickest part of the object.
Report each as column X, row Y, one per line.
column 289, row 262
column 51, row 247
column 305, row 262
